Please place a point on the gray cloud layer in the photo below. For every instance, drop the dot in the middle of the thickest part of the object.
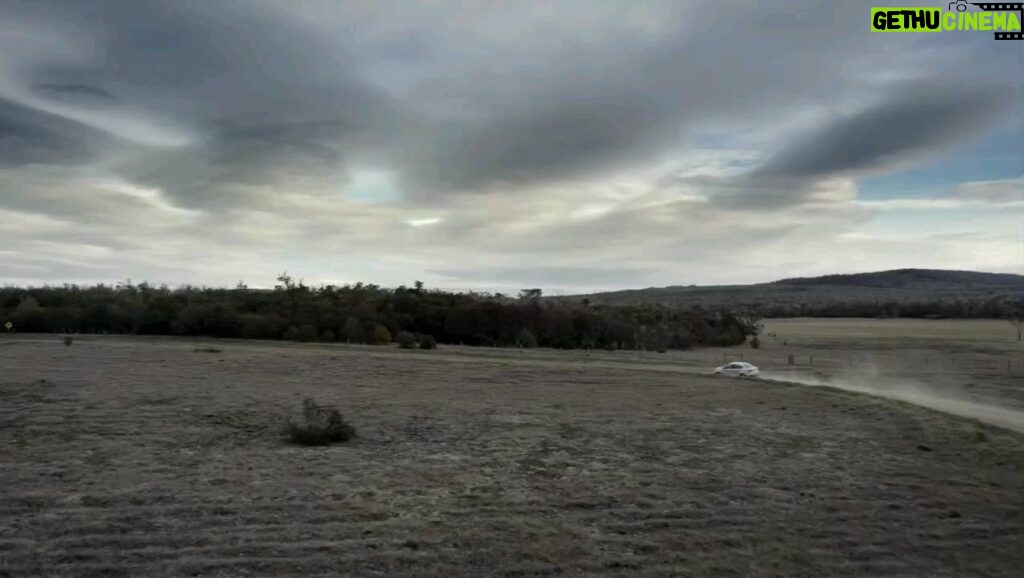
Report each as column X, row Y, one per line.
column 914, row 121
column 29, row 136
column 534, row 133
column 248, row 81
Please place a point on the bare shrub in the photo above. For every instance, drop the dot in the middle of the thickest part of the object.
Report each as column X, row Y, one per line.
column 323, row 425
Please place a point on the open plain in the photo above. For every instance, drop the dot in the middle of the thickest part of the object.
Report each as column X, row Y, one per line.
column 163, row 457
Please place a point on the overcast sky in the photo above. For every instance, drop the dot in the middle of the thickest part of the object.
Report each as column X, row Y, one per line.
column 569, row 145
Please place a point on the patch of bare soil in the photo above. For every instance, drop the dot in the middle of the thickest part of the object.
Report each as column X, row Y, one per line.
column 136, row 457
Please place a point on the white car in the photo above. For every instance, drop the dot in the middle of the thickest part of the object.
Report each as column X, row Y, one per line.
column 738, row 369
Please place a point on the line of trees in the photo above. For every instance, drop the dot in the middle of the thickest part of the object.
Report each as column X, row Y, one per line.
column 999, row 307
column 365, row 314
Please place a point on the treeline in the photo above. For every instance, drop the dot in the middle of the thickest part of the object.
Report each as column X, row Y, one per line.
column 364, row 314
column 1003, row 307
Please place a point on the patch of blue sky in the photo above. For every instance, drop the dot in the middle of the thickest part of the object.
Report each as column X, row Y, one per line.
column 998, row 157
column 372, row 186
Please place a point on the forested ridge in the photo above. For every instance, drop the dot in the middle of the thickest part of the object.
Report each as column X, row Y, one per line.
column 365, row 314
column 910, row 293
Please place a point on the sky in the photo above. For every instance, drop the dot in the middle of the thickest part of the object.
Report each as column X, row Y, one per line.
column 570, row 145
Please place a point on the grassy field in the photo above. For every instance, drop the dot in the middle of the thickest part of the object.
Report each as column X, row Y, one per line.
column 995, row 334
column 148, row 457
column 976, row 362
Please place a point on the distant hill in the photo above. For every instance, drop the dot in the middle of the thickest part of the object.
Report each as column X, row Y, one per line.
column 914, row 279
column 863, row 294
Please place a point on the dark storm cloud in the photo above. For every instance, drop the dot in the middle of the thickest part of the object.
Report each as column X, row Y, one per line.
column 266, row 96
column 917, row 121
column 220, row 170
column 258, row 98
column 631, row 98
column 550, row 134
column 29, row 136
column 910, row 124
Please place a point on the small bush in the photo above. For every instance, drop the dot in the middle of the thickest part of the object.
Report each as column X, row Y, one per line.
column 323, row 425
column 427, row 342
column 327, row 336
column 406, row 340
column 755, row 342
column 380, row 335
column 68, row 340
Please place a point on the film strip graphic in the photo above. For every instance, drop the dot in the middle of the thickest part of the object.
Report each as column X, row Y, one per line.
column 1004, row 7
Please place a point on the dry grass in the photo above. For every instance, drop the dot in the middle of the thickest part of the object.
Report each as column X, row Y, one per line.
column 898, row 332
column 136, row 457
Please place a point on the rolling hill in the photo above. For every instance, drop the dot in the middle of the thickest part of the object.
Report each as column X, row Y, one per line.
column 817, row 295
